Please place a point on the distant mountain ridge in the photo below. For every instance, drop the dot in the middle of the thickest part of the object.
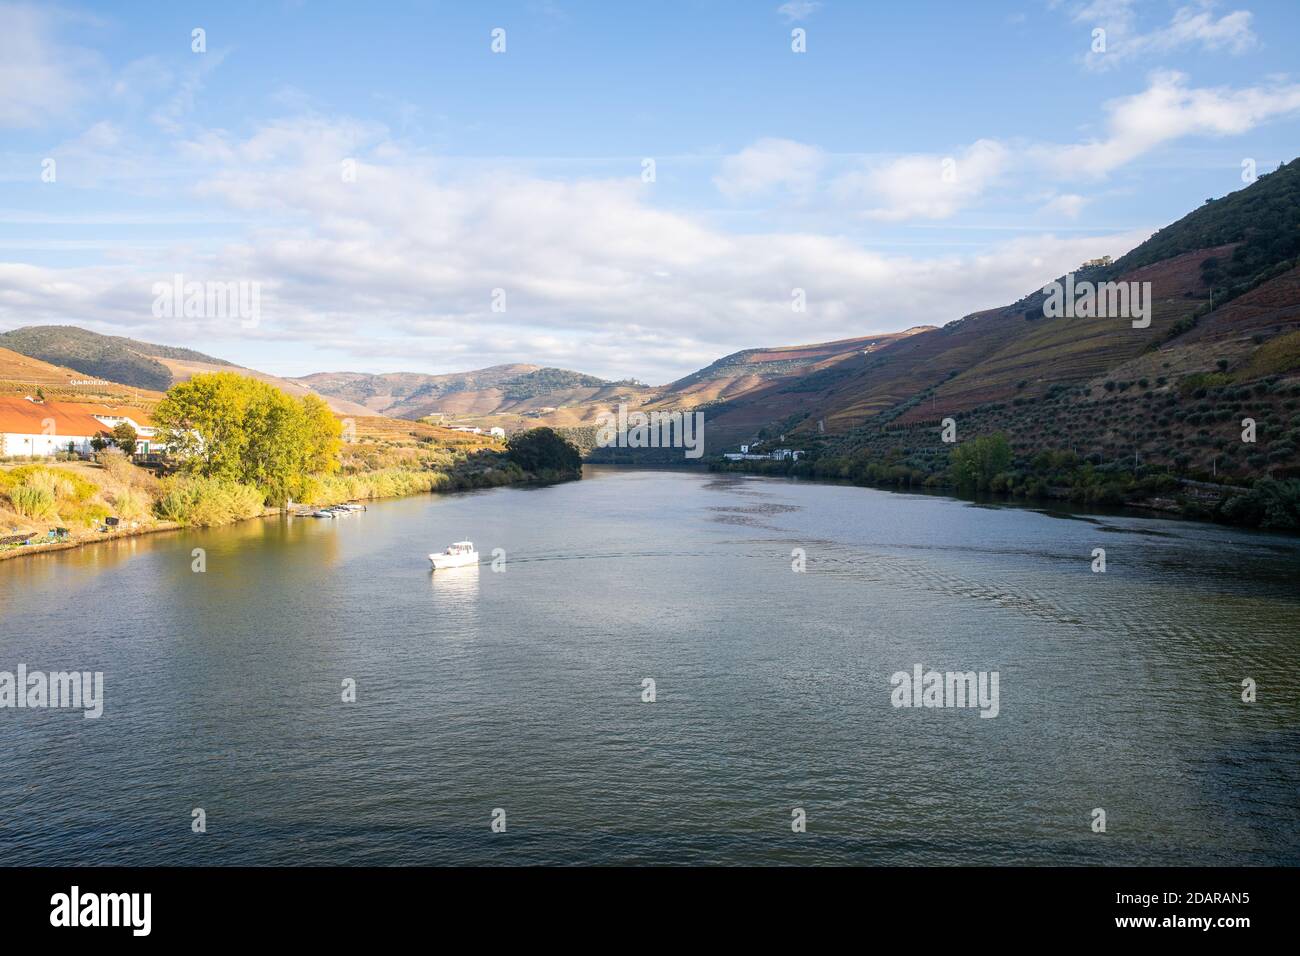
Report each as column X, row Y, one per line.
column 516, row 396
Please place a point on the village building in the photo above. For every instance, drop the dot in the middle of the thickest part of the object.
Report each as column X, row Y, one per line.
column 780, row 454
column 29, row 428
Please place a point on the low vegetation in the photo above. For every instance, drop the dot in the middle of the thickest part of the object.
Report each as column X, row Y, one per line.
column 202, row 502
column 37, row 493
column 987, row 465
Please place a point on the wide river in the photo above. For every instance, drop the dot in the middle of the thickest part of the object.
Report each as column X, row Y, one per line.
column 521, row 690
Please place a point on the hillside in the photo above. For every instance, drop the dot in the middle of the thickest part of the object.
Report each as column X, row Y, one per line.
column 1222, row 346
column 111, row 357
column 522, row 396
column 20, row 374
column 183, row 370
column 408, row 394
column 742, row 372
column 1260, row 224
column 136, row 365
column 513, row 396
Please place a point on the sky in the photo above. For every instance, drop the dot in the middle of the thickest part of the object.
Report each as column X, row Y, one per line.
column 630, row 190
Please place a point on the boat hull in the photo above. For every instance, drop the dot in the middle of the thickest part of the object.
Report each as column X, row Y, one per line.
column 441, row 562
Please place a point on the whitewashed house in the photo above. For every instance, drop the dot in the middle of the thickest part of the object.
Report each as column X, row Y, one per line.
column 29, row 428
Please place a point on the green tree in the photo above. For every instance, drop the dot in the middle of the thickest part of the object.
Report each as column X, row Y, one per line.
column 229, row 427
column 204, row 422
column 542, row 449
column 124, row 437
column 324, row 433
column 976, row 462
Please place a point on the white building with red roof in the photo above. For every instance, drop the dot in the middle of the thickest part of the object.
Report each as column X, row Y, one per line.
column 29, row 428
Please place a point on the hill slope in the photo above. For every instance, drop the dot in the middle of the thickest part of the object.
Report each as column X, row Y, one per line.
column 1223, row 344
column 140, row 365
column 22, row 375
column 110, row 357
column 514, row 395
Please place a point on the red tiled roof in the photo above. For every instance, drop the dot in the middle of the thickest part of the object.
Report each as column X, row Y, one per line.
column 19, row 416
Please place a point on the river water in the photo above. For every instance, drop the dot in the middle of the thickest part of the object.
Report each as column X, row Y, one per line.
column 521, row 689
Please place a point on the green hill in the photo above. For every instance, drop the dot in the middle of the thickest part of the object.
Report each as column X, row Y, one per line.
column 111, row 357
column 547, row 380
column 1262, row 220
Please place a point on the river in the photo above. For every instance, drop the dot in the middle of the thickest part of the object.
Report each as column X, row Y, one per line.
column 522, row 689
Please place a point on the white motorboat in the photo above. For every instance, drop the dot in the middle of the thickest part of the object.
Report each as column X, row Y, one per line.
column 457, row 555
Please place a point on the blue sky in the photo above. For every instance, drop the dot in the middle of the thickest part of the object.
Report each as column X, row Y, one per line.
column 918, row 162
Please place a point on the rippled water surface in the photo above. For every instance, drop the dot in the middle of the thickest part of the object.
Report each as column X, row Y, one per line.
column 522, row 690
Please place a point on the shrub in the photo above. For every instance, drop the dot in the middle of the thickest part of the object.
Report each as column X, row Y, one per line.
column 32, row 500
column 130, row 504
column 542, row 450
column 1269, row 504
column 202, row 502
column 976, row 462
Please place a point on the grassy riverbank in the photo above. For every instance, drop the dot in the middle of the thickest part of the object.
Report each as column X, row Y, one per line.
column 53, row 505
column 1266, row 503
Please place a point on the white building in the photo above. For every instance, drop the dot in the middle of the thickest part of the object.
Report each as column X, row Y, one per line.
column 29, row 428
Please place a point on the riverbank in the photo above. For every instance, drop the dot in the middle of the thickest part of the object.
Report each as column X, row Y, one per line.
column 1268, row 504
column 80, row 542
column 375, row 483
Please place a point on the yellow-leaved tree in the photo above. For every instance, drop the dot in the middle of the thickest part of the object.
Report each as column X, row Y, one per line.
column 233, row 428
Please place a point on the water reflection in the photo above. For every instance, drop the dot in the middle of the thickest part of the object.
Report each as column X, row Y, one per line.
column 456, row 584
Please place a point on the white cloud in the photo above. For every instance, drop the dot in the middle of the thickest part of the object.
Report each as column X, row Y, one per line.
column 767, row 164
column 798, row 9
column 1167, row 110
column 1193, row 26
column 396, row 270
column 916, row 187
column 1068, row 205
column 925, row 186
